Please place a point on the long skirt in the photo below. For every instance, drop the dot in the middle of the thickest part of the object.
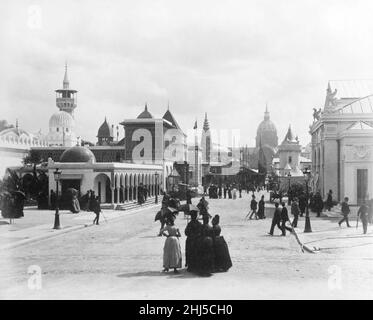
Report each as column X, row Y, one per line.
column 75, row 207
column 191, row 253
column 172, row 253
column 205, row 263
column 222, row 257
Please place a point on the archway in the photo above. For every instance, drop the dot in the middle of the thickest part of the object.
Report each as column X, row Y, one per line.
column 102, row 187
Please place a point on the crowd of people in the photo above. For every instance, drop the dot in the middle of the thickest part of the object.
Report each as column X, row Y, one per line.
column 206, row 250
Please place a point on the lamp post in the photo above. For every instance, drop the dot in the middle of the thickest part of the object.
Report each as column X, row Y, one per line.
column 289, row 202
column 307, row 225
column 57, row 176
column 156, row 187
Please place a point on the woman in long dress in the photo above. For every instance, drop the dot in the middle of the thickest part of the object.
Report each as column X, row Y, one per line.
column 171, row 250
column 222, row 257
column 205, row 263
column 193, row 232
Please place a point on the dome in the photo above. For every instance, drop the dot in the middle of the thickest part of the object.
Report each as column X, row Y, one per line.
column 77, row 154
column 145, row 114
column 266, row 126
column 61, row 119
column 104, row 131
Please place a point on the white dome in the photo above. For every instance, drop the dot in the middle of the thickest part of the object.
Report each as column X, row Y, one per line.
column 61, row 119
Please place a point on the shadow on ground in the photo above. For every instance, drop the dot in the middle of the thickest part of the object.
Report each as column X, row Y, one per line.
column 181, row 274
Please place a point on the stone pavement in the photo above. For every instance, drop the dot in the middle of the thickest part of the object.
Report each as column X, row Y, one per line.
column 123, row 260
column 38, row 224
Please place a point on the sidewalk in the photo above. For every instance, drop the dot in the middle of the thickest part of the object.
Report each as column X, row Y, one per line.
column 38, row 224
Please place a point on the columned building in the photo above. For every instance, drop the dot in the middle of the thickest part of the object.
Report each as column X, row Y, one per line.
column 342, row 142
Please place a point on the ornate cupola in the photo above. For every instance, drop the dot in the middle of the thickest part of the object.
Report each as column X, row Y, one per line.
column 66, row 97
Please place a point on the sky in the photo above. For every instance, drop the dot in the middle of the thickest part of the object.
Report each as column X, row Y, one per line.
column 226, row 58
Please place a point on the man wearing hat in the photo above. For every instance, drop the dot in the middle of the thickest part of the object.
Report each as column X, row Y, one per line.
column 276, row 218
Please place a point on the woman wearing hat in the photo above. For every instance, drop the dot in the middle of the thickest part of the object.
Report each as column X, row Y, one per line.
column 222, row 257
column 193, row 233
column 171, row 250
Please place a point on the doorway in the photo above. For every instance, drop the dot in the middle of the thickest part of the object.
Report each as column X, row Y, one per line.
column 362, row 185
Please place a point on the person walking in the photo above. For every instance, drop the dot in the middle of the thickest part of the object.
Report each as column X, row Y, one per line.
column 363, row 214
column 284, row 219
column 345, row 212
column 171, row 251
column 261, row 208
column 295, row 212
column 96, row 208
column 276, row 219
column 253, row 208
column 329, row 200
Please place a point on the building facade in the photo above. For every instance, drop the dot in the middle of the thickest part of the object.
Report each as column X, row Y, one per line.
column 342, row 143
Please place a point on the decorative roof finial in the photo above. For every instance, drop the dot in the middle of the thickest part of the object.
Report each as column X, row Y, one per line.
column 168, row 105
column 146, row 106
column 17, row 124
column 266, row 113
column 65, row 79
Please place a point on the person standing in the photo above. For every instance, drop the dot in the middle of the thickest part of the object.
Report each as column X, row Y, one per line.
column 225, row 192
column 253, row 207
column 220, row 192
column 295, row 212
column 189, row 196
column 234, row 192
column 329, row 200
column 205, row 263
column 261, row 208
column 364, row 216
column 319, row 203
column 276, row 219
column 240, row 190
column 345, row 212
column 193, row 233
column 302, row 204
column 229, row 192
column 222, row 260
column 284, row 219
column 171, row 251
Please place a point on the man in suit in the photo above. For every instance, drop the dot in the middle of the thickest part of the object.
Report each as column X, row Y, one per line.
column 276, row 219
column 284, row 219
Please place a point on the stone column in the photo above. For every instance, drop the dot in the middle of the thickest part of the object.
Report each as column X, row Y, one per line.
column 112, row 195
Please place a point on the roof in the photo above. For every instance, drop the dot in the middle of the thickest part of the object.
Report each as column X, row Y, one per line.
column 77, row 154
column 61, row 119
column 145, row 114
column 289, row 137
column 170, row 118
column 104, row 131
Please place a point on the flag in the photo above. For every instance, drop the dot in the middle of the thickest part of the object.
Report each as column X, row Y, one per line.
column 195, row 125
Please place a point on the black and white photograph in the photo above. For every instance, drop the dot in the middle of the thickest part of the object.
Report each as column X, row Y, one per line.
column 166, row 150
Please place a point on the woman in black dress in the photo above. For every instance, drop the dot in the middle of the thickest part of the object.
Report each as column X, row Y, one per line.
column 222, row 257
column 193, row 233
column 205, row 258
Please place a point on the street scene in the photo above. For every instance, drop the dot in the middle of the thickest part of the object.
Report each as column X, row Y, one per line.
column 199, row 151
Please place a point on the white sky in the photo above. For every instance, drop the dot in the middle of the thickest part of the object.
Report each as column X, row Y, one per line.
column 226, row 58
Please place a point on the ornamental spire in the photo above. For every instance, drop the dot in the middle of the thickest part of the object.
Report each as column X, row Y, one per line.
column 66, row 79
column 206, row 125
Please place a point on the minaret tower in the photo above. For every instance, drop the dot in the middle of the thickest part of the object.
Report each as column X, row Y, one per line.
column 206, row 141
column 66, row 97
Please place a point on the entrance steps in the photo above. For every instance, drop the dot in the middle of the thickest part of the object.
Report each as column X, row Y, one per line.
column 128, row 205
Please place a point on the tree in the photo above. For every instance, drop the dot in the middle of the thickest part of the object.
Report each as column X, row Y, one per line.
column 12, row 196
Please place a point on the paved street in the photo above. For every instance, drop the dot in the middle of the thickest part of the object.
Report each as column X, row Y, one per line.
column 122, row 259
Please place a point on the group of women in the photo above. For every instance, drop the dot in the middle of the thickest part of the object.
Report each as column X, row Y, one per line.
column 206, row 251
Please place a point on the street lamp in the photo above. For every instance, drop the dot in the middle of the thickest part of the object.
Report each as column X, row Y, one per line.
column 307, row 225
column 289, row 202
column 156, row 187
column 57, row 176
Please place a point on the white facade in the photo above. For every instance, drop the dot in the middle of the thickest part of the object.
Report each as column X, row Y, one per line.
column 342, row 147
